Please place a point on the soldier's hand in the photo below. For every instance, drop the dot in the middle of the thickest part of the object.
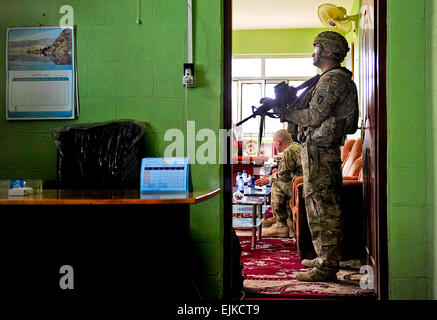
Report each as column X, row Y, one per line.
column 277, row 110
column 265, row 100
column 263, row 181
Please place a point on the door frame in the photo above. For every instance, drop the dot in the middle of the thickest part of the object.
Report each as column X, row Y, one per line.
column 380, row 18
column 227, row 166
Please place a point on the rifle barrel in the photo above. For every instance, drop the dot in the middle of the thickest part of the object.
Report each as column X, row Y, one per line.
column 262, row 110
column 244, row 120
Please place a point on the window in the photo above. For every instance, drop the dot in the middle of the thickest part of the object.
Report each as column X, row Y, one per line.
column 247, row 68
column 289, row 67
column 254, row 78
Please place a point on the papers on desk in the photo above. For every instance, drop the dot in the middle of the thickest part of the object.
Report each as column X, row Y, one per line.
column 20, row 191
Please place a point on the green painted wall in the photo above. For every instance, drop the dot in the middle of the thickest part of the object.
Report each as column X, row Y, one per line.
column 271, row 42
column 431, row 94
column 410, row 148
column 132, row 71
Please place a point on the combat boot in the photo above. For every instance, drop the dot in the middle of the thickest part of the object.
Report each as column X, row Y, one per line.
column 269, row 222
column 278, row 229
column 316, row 275
column 309, row 263
column 290, row 226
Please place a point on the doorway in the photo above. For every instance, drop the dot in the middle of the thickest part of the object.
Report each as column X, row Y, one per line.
column 373, row 111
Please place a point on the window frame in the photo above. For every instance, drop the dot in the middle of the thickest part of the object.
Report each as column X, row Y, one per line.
column 263, row 79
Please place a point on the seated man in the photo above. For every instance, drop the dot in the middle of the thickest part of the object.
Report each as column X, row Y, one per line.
column 289, row 167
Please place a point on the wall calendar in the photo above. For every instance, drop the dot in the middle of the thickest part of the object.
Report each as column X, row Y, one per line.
column 41, row 73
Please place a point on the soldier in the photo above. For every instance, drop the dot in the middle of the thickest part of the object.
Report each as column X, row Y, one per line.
column 328, row 112
column 288, row 168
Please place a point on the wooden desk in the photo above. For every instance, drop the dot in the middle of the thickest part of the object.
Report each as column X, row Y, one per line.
column 121, row 244
column 106, row 197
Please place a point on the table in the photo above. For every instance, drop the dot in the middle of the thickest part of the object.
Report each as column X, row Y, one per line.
column 248, row 191
column 255, row 222
column 255, row 192
column 241, row 210
column 120, row 243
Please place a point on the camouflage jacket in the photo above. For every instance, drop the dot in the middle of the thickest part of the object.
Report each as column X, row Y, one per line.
column 317, row 111
column 290, row 165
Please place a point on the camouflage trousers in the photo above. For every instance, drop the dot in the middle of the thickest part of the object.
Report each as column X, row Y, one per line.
column 280, row 199
column 323, row 206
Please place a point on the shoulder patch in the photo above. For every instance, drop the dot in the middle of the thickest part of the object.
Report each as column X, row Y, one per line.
column 320, row 99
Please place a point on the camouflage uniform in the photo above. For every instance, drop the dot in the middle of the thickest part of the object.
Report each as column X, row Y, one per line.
column 321, row 135
column 289, row 167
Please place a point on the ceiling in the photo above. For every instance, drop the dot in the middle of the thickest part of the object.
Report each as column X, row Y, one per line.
column 280, row 14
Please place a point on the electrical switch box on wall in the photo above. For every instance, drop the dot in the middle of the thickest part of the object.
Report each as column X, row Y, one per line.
column 189, row 79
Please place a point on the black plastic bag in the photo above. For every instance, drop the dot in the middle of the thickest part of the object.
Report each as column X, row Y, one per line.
column 100, row 155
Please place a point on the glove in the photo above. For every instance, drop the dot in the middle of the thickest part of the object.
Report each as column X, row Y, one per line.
column 265, row 100
column 277, row 110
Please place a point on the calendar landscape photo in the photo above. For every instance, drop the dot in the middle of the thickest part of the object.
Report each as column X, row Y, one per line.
column 40, row 71
column 39, row 48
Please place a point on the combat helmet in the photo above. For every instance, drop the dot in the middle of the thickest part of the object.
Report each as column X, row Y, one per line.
column 334, row 42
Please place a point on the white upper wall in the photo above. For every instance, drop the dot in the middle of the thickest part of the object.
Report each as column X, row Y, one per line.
column 280, row 14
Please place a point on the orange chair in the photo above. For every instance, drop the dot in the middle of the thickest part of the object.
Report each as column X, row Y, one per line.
column 353, row 155
column 346, row 148
column 354, row 170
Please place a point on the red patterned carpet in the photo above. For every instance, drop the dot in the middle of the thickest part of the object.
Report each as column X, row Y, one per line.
column 269, row 273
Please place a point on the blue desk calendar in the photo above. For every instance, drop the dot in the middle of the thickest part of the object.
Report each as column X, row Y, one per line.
column 165, row 175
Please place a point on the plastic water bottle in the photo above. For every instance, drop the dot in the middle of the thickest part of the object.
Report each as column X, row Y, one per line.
column 244, row 177
column 236, row 179
column 240, row 184
column 251, row 181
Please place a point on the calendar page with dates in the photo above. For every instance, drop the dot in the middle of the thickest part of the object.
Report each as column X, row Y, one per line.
column 40, row 73
column 165, row 175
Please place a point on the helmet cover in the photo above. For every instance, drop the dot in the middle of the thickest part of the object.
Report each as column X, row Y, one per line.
column 334, row 42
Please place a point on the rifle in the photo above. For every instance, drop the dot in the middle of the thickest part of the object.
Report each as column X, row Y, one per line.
column 284, row 96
